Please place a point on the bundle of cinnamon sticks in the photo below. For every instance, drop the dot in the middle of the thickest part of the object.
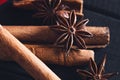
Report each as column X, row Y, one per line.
column 37, row 43
column 40, row 39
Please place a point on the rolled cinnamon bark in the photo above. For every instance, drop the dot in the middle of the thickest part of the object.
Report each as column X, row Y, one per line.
column 43, row 34
column 11, row 48
column 72, row 4
column 56, row 55
column 76, row 5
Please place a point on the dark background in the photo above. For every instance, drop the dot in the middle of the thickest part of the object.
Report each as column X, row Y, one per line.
column 100, row 13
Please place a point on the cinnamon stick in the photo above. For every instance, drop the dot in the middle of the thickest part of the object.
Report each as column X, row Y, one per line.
column 43, row 34
column 76, row 5
column 11, row 48
column 72, row 4
column 56, row 55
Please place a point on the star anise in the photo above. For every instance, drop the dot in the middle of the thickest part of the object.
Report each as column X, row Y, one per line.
column 49, row 10
column 96, row 72
column 72, row 32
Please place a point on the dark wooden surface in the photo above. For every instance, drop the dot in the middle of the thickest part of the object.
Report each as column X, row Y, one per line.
column 100, row 13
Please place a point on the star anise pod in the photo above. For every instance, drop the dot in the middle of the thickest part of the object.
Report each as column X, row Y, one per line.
column 72, row 32
column 96, row 72
column 49, row 10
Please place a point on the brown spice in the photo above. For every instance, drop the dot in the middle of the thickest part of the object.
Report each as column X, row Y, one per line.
column 71, row 32
column 96, row 72
column 49, row 10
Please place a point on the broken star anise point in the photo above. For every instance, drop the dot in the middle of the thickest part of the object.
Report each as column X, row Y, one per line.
column 96, row 72
column 72, row 32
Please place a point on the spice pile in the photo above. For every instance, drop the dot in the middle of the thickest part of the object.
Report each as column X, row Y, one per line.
column 63, row 38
